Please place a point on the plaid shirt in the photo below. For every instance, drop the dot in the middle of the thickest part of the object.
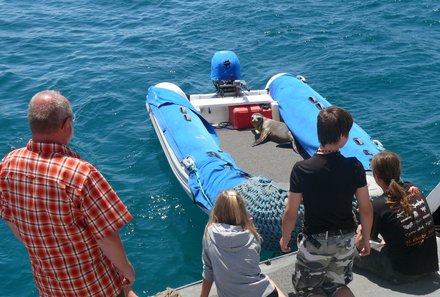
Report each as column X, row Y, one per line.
column 61, row 206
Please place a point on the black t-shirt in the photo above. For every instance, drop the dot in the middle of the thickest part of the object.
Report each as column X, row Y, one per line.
column 327, row 183
column 410, row 240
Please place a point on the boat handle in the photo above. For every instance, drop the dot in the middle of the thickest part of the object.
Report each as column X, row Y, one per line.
column 358, row 141
column 313, row 100
column 319, row 105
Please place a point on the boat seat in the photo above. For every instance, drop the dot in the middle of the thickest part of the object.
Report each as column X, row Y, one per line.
column 212, row 99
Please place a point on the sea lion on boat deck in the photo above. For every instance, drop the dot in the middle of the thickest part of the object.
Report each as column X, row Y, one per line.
column 268, row 129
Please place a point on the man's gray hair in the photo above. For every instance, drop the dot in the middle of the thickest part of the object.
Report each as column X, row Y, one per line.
column 46, row 116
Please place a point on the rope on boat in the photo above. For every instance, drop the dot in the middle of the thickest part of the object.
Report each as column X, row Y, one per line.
column 189, row 164
column 266, row 203
column 196, row 172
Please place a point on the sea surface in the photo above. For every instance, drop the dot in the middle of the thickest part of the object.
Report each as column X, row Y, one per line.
column 378, row 59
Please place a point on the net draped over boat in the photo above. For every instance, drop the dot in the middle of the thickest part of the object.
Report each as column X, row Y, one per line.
column 266, row 202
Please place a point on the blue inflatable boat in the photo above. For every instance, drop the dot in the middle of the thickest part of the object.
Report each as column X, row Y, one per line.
column 209, row 140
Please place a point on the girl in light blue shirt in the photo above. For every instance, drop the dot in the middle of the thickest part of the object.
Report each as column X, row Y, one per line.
column 231, row 252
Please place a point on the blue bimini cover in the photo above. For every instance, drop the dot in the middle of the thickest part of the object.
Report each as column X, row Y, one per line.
column 214, row 170
column 299, row 106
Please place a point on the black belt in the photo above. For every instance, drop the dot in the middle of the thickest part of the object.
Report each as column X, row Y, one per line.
column 333, row 233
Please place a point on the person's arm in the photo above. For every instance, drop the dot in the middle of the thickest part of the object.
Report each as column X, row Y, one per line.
column 105, row 213
column 280, row 293
column 206, row 288
column 208, row 273
column 289, row 219
column 366, row 218
column 128, row 291
column 14, row 230
column 113, row 249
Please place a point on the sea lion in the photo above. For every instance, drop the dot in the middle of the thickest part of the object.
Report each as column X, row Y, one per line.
column 268, row 129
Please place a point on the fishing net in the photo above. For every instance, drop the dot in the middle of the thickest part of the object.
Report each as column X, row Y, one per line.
column 266, row 202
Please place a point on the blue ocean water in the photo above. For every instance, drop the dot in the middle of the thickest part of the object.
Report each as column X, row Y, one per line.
column 378, row 59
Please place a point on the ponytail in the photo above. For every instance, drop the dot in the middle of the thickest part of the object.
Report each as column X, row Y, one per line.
column 396, row 194
column 386, row 165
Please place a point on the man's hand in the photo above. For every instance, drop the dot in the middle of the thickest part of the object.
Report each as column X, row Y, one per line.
column 113, row 249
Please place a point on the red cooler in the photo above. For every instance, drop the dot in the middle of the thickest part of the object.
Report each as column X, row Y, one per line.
column 240, row 116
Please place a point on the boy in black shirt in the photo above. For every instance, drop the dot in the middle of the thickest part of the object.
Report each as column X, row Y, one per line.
column 326, row 184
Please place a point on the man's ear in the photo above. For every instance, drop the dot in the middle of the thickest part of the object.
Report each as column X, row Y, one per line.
column 65, row 124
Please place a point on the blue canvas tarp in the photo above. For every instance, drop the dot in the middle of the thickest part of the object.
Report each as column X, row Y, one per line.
column 299, row 112
column 214, row 170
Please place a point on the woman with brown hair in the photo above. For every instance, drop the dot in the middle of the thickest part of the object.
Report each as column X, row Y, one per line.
column 408, row 248
column 231, row 252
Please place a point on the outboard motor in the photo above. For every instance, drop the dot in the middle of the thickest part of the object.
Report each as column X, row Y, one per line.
column 225, row 74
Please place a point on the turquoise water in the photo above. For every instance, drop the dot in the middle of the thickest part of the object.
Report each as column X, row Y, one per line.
column 378, row 59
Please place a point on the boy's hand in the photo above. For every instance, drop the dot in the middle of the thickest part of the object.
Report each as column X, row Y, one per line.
column 362, row 245
column 284, row 244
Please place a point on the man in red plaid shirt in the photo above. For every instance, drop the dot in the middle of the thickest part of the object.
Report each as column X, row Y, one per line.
column 63, row 210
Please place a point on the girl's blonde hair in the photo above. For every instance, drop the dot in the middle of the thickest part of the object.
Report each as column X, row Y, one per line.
column 230, row 209
column 386, row 166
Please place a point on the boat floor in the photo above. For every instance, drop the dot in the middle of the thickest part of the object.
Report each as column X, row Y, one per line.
column 268, row 159
column 364, row 284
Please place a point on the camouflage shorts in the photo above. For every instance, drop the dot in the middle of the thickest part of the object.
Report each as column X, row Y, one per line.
column 323, row 264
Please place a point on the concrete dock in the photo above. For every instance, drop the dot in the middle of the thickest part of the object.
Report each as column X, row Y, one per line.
column 280, row 270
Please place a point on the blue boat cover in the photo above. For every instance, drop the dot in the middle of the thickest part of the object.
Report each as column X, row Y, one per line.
column 299, row 112
column 225, row 66
column 214, row 170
